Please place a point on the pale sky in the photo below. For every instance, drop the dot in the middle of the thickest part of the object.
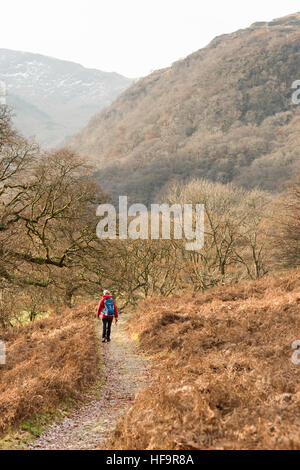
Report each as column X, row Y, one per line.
column 132, row 37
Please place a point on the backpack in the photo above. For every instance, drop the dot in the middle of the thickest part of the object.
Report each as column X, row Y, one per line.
column 109, row 307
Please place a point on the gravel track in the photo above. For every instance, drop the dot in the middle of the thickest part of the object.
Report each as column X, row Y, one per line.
column 90, row 426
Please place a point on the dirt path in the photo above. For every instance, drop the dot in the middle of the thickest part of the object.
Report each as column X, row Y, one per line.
column 89, row 427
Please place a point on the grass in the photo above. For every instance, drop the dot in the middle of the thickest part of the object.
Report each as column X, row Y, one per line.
column 24, row 318
column 17, row 437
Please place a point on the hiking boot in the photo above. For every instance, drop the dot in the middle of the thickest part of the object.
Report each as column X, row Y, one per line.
column 103, row 340
column 108, row 340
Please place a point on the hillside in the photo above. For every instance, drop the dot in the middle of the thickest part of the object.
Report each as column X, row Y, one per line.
column 224, row 113
column 223, row 371
column 52, row 99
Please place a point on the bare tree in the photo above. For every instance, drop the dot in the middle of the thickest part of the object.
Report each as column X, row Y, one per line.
column 286, row 229
column 234, row 235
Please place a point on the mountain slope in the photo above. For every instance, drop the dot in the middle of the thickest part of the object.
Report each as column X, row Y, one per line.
column 224, row 113
column 52, row 98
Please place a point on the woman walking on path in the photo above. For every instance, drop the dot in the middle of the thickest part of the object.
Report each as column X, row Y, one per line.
column 108, row 309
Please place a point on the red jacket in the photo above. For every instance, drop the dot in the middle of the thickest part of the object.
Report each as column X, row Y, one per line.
column 101, row 307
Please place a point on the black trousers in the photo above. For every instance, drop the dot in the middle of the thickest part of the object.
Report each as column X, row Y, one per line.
column 106, row 327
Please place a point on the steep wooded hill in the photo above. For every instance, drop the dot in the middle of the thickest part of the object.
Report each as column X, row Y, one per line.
column 224, row 113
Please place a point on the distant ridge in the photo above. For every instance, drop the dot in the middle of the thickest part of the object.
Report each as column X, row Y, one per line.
column 52, row 98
